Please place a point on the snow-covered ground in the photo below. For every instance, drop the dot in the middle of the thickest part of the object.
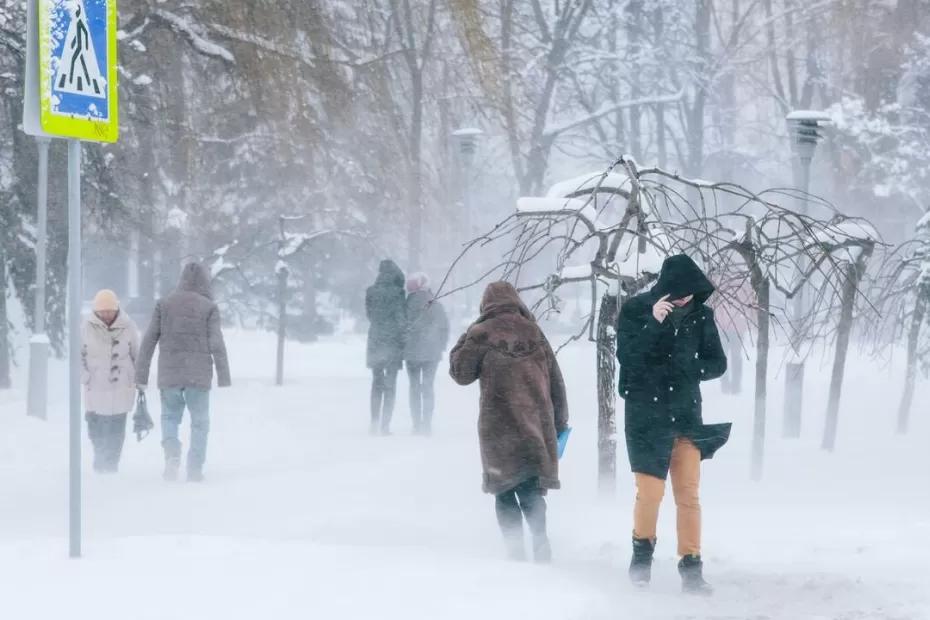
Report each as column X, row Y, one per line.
column 304, row 515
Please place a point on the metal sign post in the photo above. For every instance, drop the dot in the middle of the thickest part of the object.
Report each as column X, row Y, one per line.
column 71, row 92
column 75, row 298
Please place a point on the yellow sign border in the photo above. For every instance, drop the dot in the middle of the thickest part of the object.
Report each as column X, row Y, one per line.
column 66, row 125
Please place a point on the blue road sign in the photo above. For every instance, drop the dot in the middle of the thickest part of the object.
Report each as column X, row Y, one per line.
column 78, row 68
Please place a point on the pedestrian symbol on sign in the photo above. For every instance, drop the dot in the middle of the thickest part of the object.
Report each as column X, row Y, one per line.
column 78, row 70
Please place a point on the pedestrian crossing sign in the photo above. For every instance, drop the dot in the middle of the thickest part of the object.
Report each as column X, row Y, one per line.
column 77, row 69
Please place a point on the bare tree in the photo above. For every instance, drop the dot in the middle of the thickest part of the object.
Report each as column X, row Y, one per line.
column 611, row 232
column 902, row 291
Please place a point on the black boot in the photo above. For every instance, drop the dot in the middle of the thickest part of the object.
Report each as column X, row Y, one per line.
column 691, row 569
column 641, row 564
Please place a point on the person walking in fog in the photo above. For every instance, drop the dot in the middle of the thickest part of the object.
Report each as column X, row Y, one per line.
column 385, row 306
column 186, row 327
column 110, row 347
column 426, row 340
column 523, row 409
column 667, row 345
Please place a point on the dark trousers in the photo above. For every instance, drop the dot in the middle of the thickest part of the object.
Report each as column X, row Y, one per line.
column 383, row 394
column 107, row 433
column 524, row 501
column 422, row 393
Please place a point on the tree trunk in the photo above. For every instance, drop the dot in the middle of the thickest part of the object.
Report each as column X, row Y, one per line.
column 761, row 287
column 762, row 369
column 634, row 48
column 415, row 241
column 913, row 337
column 607, row 395
column 732, row 382
column 696, row 124
column 5, row 381
column 282, row 323
column 854, row 272
column 658, row 25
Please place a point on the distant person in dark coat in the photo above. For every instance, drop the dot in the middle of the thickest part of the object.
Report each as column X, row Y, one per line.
column 426, row 341
column 523, row 409
column 186, row 328
column 667, row 345
column 385, row 306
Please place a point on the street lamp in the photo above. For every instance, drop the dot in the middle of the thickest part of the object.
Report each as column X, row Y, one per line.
column 804, row 128
column 466, row 139
column 467, row 142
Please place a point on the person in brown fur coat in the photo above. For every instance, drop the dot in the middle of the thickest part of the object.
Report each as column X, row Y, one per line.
column 523, row 409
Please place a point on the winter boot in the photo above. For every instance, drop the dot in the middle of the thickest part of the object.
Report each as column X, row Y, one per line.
column 195, row 475
column 641, row 564
column 691, row 569
column 172, row 449
column 542, row 550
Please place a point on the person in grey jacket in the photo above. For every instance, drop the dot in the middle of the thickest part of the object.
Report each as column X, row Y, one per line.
column 186, row 326
column 426, row 340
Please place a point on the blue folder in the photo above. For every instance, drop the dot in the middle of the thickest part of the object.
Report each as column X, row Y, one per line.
column 563, row 440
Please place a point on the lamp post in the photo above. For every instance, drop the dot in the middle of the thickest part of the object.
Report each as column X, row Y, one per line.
column 467, row 142
column 466, row 139
column 804, row 129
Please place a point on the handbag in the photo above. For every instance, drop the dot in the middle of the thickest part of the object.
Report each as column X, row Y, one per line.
column 141, row 420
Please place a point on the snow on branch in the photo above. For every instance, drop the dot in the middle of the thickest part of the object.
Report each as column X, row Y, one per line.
column 924, row 222
column 596, row 181
column 609, row 108
column 195, row 34
column 295, row 242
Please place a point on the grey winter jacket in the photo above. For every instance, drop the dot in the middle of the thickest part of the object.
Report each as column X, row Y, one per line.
column 427, row 328
column 186, row 326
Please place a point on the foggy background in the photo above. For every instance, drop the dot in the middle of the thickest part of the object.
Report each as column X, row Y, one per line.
column 318, row 137
column 342, row 113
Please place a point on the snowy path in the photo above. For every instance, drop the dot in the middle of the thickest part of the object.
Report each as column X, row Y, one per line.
column 305, row 515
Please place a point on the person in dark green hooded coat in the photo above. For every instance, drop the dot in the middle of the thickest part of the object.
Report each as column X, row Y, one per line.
column 386, row 308
column 667, row 344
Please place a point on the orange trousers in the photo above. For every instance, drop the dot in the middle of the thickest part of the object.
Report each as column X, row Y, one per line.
column 685, row 472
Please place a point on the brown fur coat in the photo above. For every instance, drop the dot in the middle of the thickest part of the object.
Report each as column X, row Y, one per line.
column 523, row 403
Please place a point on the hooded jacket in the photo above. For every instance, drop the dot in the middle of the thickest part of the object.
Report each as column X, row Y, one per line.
column 523, row 403
column 427, row 328
column 186, row 328
column 385, row 306
column 663, row 364
column 108, row 364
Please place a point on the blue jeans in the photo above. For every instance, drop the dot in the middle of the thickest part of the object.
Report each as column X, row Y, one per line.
column 173, row 402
